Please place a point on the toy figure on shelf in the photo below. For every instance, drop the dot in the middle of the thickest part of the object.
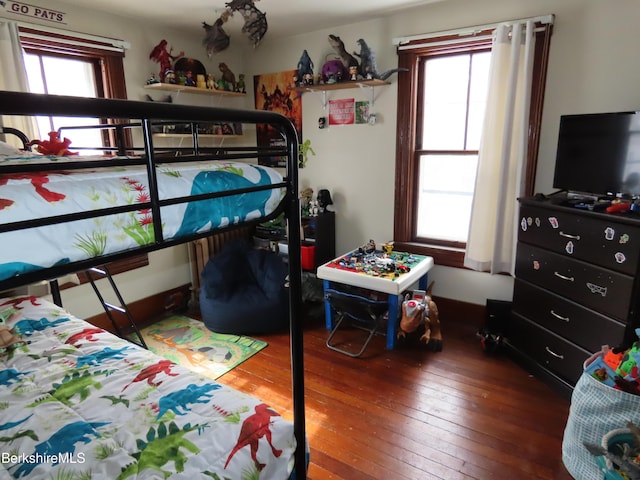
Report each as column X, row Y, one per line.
column 53, row 146
column 305, row 69
column 228, row 77
column 241, row 85
column 368, row 68
column 324, row 199
column 305, row 198
column 211, row 81
column 161, row 55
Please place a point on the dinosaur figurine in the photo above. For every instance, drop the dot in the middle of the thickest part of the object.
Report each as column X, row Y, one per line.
column 305, row 67
column 346, row 58
column 368, row 68
column 422, row 314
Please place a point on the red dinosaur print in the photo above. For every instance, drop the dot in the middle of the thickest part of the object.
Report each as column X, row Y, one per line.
column 38, row 180
column 149, row 373
column 253, row 429
column 15, row 302
column 86, row 334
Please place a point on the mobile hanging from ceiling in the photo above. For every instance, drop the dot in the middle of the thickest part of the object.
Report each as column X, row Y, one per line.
column 255, row 26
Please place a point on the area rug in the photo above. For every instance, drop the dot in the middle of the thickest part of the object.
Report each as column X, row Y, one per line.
column 191, row 344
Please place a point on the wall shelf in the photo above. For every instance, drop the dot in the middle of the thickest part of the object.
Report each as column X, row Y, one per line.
column 342, row 85
column 170, row 87
column 325, row 87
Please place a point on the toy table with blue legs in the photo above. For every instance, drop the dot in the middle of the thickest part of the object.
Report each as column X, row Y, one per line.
column 391, row 274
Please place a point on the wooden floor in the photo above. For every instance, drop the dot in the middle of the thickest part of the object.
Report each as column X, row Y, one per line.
column 412, row 414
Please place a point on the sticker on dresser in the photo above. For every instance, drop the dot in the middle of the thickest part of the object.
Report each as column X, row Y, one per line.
column 597, row 289
column 620, row 257
column 609, row 233
column 624, row 238
column 554, row 222
column 569, row 247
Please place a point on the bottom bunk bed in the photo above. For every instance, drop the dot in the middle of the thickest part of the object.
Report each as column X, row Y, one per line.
column 79, row 402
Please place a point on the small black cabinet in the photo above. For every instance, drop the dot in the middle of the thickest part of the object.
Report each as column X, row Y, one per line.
column 320, row 232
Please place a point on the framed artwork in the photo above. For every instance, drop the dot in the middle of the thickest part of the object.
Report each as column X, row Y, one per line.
column 274, row 92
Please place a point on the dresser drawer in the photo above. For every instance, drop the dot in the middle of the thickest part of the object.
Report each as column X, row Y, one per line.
column 593, row 239
column 603, row 290
column 558, row 355
column 580, row 325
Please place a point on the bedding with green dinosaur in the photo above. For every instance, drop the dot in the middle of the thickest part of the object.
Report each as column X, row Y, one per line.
column 77, row 402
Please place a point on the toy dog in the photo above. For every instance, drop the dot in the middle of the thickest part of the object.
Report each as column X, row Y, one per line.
column 420, row 310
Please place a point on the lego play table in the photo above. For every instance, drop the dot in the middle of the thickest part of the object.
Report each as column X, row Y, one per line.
column 391, row 274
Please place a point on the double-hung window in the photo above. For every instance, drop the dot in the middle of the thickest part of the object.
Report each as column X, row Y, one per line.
column 441, row 108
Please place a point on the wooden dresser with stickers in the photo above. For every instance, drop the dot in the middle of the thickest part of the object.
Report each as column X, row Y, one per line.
column 576, row 287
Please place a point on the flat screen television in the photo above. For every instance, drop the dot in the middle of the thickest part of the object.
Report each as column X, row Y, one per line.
column 599, row 154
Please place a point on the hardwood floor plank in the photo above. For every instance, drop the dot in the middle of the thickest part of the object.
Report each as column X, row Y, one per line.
column 412, row 414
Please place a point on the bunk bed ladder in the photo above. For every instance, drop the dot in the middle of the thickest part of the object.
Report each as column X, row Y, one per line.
column 109, row 308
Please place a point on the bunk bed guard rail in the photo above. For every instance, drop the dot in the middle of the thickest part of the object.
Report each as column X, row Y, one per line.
column 145, row 113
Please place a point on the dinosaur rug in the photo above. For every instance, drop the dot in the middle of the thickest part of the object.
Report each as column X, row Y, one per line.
column 191, row 344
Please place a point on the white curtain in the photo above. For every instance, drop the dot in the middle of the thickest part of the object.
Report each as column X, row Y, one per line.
column 13, row 76
column 503, row 152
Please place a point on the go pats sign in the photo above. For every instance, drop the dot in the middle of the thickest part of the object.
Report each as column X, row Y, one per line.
column 32, row 11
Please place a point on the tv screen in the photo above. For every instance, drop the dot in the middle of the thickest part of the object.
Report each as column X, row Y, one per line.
column 599, row 154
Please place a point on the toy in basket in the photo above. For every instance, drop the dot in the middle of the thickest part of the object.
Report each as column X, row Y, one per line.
column 619, row 453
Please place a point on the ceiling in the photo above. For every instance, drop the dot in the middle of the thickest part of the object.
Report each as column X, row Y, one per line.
column 284, row 17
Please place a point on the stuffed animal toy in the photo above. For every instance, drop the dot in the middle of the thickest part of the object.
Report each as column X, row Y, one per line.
column 53, row 146
column 9, row 341
column 420, row 313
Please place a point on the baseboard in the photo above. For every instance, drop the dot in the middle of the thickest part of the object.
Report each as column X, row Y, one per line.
column 460, row 312
column 145, row 310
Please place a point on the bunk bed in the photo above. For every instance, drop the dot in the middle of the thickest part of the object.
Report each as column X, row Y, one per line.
column 77, row 400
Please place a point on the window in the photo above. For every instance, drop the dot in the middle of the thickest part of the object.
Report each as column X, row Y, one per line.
column 63, row 65
column 440, row 112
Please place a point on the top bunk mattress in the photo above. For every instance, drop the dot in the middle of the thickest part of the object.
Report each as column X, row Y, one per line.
column 33, row 195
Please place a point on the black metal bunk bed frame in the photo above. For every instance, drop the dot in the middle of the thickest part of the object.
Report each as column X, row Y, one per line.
column 146, row 114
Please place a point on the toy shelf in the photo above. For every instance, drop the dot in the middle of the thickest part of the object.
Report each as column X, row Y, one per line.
column 170, row 87
column 342, row 85
column 325, row 87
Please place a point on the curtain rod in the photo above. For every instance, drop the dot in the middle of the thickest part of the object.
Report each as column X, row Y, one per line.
column 466, row 31
column 120, row 44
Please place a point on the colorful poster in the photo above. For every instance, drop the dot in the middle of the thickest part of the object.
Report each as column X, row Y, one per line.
column 342, row 112
column 274, row 92
column 362, row 111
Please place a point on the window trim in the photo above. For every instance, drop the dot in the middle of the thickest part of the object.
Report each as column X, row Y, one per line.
column 409, row 97
column 110, row 83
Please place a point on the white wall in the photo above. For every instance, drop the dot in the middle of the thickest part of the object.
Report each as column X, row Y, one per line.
column 593, row 66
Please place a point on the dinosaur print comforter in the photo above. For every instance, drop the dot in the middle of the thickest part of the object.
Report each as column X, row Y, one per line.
column 26, row 196
column 77, row 402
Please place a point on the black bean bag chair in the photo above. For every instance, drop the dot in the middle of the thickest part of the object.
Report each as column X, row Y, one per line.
column 243, row 291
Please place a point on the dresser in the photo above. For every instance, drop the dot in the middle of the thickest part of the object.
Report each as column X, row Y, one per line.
column 575, row 288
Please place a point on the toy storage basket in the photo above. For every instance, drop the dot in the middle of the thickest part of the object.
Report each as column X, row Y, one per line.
column 596, row 410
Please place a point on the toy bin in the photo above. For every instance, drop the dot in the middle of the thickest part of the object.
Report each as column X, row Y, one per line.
column 308, row 257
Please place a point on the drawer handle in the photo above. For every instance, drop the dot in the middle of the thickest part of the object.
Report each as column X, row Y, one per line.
column 568, row 235
column 557, row 355
column 559, row 317
column 564, row 277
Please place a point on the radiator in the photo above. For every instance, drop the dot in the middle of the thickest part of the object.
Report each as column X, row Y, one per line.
column 201, row 250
